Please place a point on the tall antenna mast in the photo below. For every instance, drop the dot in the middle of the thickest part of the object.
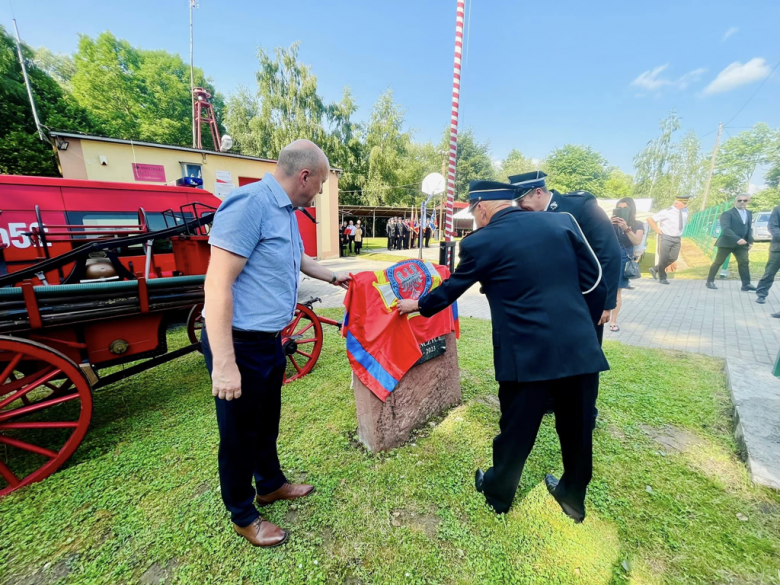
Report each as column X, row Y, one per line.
column 193, row 4
column 27, row 85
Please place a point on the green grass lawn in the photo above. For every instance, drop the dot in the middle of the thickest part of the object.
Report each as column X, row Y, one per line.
column 139, row 502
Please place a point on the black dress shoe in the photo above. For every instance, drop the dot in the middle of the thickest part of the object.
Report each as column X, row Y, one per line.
column 776, row 315
column 479, row 478
column 552, row 483
column 761, row 300
column 711, row 285
column 653, row 272
column 664, row 281
column 748, row 287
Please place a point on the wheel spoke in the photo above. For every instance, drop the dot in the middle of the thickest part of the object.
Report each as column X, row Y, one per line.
column 305, row 329
column 10, row 367
column 28, row 447
column 9, row 414
column 38, row 425
column 8, row 475
column 294, row 324
column 297, row 367
column 303, row 353
column 29, row 387
column 20, row 382
column 312, row 340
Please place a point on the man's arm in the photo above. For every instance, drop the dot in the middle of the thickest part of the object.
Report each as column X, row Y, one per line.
column 774, row 224
column 750, row 228
column 588, row 263
column 603, row 240
column 653, row 225
column 310, row 267
column 465, row 275
column 223, row 270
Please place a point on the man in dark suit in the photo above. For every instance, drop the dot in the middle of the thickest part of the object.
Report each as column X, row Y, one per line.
column 390, row 233
column 597, row 227
column 405, row 232
column 535, row 269
column 736, row 237
column 773, row 264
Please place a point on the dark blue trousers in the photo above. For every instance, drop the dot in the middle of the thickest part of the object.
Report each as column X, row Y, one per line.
column 522, row 407
column 249, row 426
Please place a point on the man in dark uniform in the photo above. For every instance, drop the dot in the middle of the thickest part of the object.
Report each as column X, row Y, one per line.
column 597, row 228
column 405, row 234
column 398, row 231
column 390, row 233
column 535, row 269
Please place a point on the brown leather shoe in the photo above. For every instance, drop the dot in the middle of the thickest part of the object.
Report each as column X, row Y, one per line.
column 262, row 533
column 289, row 491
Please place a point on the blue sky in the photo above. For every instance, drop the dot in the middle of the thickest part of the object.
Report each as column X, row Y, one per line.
column 536, row 75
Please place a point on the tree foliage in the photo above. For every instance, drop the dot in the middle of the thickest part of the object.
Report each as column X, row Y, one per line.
column 516, row 163
column 618, row 184
column 577, row 168
column 740, row 155
column 138, row 94
column 474, row 162
column 21, row 150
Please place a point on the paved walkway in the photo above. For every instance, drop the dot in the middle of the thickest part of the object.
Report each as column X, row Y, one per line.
column 683, row 315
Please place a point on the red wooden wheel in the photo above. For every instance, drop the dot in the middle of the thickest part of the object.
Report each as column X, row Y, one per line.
column 302, row 343
column 195, row 323
column 45, row 409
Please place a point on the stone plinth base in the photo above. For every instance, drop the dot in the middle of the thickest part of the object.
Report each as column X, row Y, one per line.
column 425, row 391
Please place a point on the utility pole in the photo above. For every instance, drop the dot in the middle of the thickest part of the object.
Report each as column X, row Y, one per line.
column 41, row 135
column 712, row 167
column 192, row 77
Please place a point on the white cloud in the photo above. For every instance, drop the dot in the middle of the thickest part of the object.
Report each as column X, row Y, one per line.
column 732, row 31
column 738, row 74
column 651, row 80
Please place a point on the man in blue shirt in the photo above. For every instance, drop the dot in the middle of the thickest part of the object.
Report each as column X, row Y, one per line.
column 251, row 292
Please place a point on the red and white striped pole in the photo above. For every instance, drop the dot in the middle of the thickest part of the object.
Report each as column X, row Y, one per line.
column 454, row 124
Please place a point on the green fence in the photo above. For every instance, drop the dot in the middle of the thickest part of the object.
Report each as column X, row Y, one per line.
column 703, row 227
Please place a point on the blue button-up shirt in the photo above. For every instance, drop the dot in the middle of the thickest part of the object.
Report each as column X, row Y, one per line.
column 257, row 221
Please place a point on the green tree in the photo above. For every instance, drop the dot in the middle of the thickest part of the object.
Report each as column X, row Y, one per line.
column 516, row 163
column 740, row 155
column 21, row 150
column 138, row 94
column 58, row 66
column 618, row 184
column 474, row 162
column 577, row 168
column 345, row 147
column 765, row 200
column 387, row 148
column 652, row 164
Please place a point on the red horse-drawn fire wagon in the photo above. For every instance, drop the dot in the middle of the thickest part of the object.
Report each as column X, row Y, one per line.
column 83, row 291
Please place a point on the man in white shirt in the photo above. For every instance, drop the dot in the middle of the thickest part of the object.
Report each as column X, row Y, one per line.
column 736, row 237
column 669, row 224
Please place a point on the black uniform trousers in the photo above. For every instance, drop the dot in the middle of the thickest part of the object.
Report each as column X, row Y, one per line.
column 772, row 266
column 743, row 263
column 427, row 237
column 249, row 426
column 523, row 405
column 351, row 243
column 669, row 251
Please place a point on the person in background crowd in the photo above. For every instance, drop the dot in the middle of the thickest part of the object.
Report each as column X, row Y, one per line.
column 251, row 292
column 390, row 233
column 342, row 238
column 398, row 233
column 629, row 233
column 405, row 234
column 669, row 224
column 428, row 232
column 536, row 270
column 773, row 263
column 358, row 237
column 736, row 237
column 350, row 236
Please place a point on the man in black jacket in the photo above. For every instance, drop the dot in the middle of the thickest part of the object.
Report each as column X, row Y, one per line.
column 773, row 264
column 736, row 237
column 597, row 227
column 535, row 269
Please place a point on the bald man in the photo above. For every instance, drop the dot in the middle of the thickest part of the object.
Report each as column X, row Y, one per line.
column 251, row 292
